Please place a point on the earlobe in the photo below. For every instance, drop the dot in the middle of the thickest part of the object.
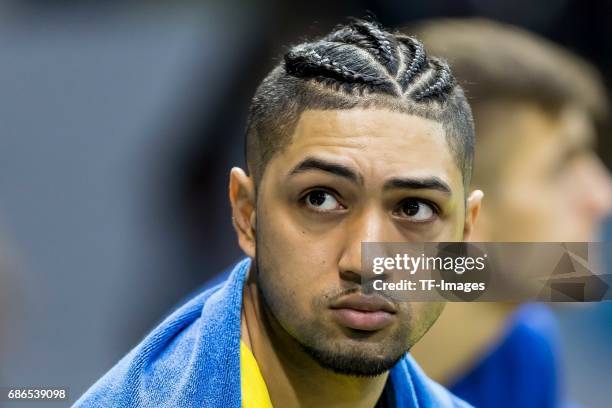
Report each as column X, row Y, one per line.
column 473, row 205
column 242, row 199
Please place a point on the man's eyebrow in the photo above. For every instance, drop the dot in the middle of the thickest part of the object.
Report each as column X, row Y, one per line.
column 313, row 163
column 428, row 183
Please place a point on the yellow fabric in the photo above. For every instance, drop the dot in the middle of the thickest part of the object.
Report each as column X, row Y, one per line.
column 252, row 384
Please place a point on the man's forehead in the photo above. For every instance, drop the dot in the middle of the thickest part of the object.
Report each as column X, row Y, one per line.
column 375, row 141
column 530, row 120
column 372, row 122
column 577, row 126
column 373, row 131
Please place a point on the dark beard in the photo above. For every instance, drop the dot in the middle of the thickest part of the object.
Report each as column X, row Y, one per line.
column 355, row 365
column 348, row 362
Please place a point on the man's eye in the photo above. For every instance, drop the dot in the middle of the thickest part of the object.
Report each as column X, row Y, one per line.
column 320, row 200
column 416, row 210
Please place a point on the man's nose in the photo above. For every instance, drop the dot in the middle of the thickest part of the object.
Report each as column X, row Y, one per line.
column 597, row 201
column 369, row 226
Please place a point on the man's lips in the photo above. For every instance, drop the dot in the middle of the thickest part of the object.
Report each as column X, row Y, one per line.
column 361, row 312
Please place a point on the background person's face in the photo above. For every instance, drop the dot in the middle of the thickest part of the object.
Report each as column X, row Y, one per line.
column 551, row 185
column 347, row 177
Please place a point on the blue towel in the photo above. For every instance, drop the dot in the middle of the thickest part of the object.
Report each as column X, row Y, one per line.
column 522, row 369
column 192, row 359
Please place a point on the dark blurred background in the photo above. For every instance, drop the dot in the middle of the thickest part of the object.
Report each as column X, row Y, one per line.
column 119, row 122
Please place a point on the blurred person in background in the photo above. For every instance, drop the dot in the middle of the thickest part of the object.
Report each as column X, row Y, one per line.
column 537, row 110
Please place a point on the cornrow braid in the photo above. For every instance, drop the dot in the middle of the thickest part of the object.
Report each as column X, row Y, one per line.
column 441, row 82
column 417, row 57
column 358, row 65
column 384, row 44
column 309, row 63
column 382, row 49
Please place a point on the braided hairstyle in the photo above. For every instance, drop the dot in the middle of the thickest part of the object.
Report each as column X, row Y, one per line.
column 358, row 65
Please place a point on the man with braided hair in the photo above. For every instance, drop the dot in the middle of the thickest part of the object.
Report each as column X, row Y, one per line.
column 355, row 137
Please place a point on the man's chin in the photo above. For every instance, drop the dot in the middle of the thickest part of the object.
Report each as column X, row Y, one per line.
column 355, row 358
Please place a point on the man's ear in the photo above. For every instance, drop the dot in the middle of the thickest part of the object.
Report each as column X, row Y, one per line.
column 472, row 209
column 242, row 198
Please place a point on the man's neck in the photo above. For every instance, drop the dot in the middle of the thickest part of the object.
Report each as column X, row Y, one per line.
column 292, row 377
